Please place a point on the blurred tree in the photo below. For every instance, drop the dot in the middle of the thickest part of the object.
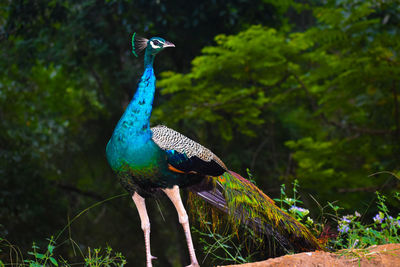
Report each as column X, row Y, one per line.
column 67, row 73
column 329, row 94
column 313, row 94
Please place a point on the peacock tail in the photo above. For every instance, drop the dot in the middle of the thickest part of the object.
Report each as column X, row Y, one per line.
column 247, row 205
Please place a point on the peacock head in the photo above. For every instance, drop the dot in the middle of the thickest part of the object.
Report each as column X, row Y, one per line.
column 156, row 44
column 152, row 46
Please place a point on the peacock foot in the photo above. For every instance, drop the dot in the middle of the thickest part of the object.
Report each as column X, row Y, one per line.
column 194, row 264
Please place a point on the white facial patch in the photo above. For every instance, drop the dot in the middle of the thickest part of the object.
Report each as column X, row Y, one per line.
column 154, row 46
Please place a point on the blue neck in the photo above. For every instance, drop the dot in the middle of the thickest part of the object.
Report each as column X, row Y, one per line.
column 148, row 60
column 135, row 122
column 131, row 140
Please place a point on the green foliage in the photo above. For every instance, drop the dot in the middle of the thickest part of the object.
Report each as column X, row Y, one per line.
column 42, row 259
column 227, row 84
column 354, row 233
column 354, row 230
column 94, row 257
column 214, row 245
column 292, row 205
column 311, row 92
column 97, row 259
column 329, row 94
column 66, row 74
column 38, row 257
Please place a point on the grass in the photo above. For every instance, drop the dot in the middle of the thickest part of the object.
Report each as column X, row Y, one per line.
column 46, row 256
column 222, row 248
column 352, row 237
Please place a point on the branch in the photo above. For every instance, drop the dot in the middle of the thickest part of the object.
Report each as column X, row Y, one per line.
column 74, row 189
column 358, row 189
column 355, row 128
column 257, row 151
column 312, row 102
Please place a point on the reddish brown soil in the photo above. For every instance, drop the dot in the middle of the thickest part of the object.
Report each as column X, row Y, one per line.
column 383, row 255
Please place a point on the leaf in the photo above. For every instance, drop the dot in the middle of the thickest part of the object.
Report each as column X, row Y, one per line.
column 39, row 256
column 53, row 261
column 50, row 248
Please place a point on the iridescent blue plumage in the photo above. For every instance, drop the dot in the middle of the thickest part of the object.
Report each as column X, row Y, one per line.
column 131, row 152
column 132, row 132
column 141, row 164
column 160, row 159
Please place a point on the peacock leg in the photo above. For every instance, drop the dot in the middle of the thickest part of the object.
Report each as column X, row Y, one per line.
column 175, row 197
column 144, row 218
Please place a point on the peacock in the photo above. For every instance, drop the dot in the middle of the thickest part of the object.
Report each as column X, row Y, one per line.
column 159, row 159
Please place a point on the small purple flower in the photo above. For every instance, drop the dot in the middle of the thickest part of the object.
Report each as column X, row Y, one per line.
column 345, row 219
column 343, row 228
column 344, row 224
column 392, row 221
column 357, row 214
column 294, row 209
column 379, row 217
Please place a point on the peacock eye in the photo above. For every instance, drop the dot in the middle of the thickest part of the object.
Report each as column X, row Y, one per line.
column 156, row 42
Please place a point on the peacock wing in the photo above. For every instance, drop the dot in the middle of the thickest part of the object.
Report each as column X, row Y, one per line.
column 185, row 155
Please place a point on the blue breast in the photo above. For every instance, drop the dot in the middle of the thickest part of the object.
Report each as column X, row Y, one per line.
column 131, row 145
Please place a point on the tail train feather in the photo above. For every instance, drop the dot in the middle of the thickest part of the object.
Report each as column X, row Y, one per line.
column 246, row 204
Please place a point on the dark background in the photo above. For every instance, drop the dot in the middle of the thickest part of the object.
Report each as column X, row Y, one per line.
column 328, row 115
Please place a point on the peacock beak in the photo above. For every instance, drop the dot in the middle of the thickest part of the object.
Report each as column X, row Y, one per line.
column 168, row 44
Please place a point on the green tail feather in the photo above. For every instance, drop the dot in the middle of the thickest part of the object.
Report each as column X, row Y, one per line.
column 248, row 205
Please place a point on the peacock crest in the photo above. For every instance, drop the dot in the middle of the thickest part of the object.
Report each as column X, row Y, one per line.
column 138, row 44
